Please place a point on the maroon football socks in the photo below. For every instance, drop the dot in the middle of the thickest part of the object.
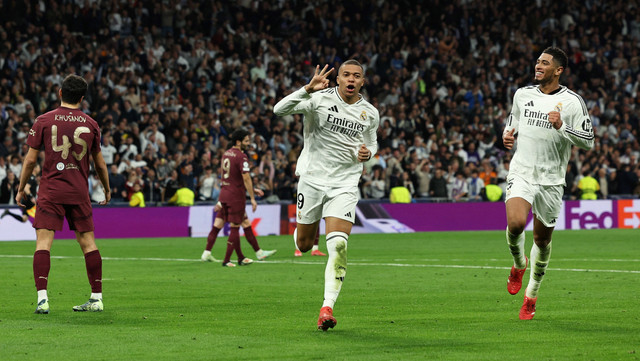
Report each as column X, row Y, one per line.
column 211, row 238
column 93, row 261
column 248, row 233
column 41, row 267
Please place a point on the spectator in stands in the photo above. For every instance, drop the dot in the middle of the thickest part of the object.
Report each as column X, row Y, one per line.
column 137, row 197
column 171, row 185
column 476, row 185
column 183, row 197
column 438, row 185
column 133, row 179
column 109, row 152
column 603, row 182
column 422, row 81
column 492, row 192
column 487, row 172
column 117, row 183
column 206, row 184
column 399, row 193
column 376, row 188
column 152, row 190
column 423, row 178
column 3, row 169
column 459, row 186
column 627, row 180
column 9, row 188
column 588, row 186
column 96, row 192
column 283, row 186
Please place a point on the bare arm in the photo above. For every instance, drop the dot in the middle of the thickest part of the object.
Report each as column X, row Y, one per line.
column 103, row 174
column 246, row 177
column 30, row 161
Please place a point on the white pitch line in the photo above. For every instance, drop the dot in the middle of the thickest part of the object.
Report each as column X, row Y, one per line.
column 505, row 259
column 350, row 263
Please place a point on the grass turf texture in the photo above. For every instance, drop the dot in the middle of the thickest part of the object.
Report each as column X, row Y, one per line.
column 422, row 296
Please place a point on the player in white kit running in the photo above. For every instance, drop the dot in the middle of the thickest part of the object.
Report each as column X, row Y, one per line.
column 339, row 135
column 546, row 120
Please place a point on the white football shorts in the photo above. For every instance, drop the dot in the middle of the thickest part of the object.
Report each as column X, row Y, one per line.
column 546, row 201
column 315, row 202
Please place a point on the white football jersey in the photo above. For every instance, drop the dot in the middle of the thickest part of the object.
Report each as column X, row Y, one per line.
column 333, row 132
column 542, row 152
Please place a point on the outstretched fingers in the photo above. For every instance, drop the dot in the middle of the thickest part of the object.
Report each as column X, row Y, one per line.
column 324, row 72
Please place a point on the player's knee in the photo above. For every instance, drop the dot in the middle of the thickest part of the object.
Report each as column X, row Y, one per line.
column 516, row 227
column 305, row 243
column 541, row 241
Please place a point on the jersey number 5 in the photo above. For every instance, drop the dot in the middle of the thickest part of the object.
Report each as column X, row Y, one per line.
column 65, row 146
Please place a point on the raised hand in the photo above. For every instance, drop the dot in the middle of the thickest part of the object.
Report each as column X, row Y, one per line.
column 319, row 80
column 508, row 139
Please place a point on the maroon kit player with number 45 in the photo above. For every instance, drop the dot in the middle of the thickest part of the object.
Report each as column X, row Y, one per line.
column 68, row 138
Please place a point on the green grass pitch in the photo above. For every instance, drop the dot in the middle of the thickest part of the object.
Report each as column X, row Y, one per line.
column 422, row 296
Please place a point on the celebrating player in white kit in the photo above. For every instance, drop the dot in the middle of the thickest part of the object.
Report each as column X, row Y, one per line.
column 339, row 135
column 546, row 120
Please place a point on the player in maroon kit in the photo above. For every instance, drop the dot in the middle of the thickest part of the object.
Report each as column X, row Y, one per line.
column 218, row 223
column 68, row 136
column 236, row 181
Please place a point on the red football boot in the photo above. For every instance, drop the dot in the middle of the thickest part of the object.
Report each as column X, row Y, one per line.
column 514, row 282
column 528, row 309
column 326, row 319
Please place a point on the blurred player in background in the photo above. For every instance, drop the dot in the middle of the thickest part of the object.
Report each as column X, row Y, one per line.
column 218, row 223
column 235, row 182
column 68, row 137
column 339, row 135
column 547, row 120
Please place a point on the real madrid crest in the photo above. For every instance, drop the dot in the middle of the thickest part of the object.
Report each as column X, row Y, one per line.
column 558, row 107
column 363, row 116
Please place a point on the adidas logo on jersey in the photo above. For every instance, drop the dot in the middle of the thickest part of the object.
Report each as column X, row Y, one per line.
column 348, row 214
column 529, row 104
column 334, row 109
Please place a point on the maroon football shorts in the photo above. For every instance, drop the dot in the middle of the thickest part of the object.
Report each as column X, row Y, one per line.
column 233, row 213
column 50, row 216
column 221, row 215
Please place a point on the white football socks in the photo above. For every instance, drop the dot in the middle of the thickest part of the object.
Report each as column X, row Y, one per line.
column 42, row 295
column 295, row 238
column 539, row 262
column 516, row 246
column 336, row 267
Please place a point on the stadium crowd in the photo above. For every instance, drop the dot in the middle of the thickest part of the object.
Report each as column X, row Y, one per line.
column 170, row 80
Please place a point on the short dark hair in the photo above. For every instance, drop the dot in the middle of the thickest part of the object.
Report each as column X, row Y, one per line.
column 559, row 56
column 238, row 135
column 351, row 62
column 74, row 87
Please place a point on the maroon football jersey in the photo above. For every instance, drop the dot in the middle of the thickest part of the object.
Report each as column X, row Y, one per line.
column 234, row 164
column 68, row 138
